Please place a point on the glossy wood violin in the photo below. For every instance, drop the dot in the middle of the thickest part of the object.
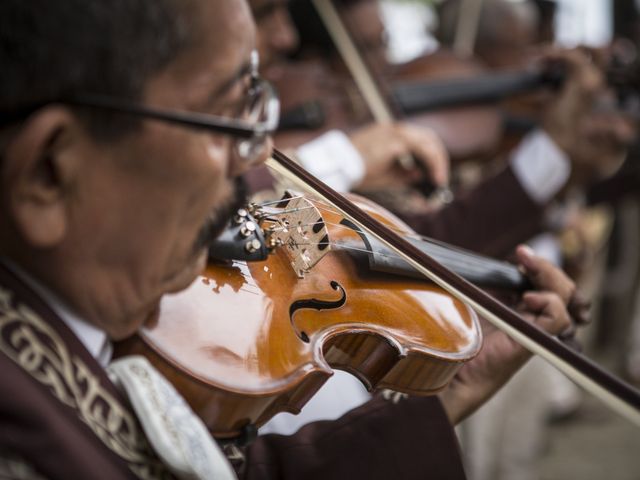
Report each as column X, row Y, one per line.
column 248, row 340
column 252, row 338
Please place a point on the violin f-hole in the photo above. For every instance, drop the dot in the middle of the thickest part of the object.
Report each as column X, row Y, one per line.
column 316, row 305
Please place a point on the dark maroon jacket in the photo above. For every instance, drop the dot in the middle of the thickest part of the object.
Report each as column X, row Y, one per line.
column 62, row 418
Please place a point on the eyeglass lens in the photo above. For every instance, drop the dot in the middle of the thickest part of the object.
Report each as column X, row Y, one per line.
column 256, row 111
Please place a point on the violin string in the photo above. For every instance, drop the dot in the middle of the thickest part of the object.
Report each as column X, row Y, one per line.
column 291, row 210
column 337, row 225
column 331, row 209
column 327, row 207
column 342, row 246
column 356, row 230
column 323, row 206
column 312, row 224
column 411, row 235
column 250, row 280
column 275, row 202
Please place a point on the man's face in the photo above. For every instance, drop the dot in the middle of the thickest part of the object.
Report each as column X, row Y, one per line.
column 366, row 20
column 276, row 34
column 512, row 39
column 146, row 205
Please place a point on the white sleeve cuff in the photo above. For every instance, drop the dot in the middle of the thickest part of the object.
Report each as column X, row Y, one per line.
column 333, row 159
column 540, row 166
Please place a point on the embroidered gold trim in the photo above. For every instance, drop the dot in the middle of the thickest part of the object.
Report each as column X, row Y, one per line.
column 36, row 347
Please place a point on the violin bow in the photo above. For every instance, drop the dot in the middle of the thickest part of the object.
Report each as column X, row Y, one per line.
column 418, row 97
column 467, row 25
column 361, row 73
column 355, row 62
column 615, row 393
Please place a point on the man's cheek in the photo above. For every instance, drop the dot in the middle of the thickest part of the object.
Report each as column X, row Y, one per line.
column 219, row 156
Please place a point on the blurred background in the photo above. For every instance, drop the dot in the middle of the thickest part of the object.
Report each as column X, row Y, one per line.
column 542, row 426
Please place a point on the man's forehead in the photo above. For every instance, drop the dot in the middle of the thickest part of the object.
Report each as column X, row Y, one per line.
column 234, row 55
column 220, row 49
column 229, row 32
column 263, row 8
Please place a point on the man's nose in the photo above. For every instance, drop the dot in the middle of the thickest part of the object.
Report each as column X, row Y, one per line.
column 283, row 35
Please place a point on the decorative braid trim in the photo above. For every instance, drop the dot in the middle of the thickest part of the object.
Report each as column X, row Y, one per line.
column 38, row 349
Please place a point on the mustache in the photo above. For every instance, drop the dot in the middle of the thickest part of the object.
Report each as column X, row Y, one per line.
column 220, row 217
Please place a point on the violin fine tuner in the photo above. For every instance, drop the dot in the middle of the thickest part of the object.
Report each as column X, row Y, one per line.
column 241, row 240
column 294, row 223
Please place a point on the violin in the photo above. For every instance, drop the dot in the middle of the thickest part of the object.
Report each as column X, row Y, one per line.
column 324, row 299
column 458, row 99
column 318, row 94
column 248, row 340
column 453, row 98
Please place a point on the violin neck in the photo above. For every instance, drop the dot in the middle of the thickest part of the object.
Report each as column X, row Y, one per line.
column 481, row 271
column 420, row 96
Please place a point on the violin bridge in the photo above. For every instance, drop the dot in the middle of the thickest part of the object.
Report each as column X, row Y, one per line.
column 300, row 229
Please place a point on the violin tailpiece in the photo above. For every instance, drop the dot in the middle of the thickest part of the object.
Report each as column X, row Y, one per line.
column 300, row 229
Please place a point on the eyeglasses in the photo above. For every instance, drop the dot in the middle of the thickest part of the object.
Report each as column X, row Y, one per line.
column 258, row 119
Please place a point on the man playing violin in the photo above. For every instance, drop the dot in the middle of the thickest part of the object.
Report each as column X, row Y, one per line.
column 565, row 151
column 367, row 153
column 124, row 129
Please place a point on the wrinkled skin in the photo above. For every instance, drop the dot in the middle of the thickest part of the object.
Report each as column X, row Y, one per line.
column 555, row 306
column 112, row 227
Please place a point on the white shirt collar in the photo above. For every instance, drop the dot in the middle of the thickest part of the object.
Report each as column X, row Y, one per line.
column 94, row 339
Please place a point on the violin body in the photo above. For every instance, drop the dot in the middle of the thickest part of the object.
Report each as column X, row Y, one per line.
column 469, row 131
column 249, row 340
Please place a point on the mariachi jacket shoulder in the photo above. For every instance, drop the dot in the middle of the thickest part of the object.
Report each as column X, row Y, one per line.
column 60, row 415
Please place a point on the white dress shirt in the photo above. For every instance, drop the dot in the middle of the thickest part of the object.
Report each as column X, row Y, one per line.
column 332, row 158
column 539, row 165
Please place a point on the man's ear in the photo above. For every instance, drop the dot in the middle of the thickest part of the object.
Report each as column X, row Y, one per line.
column 40, row 166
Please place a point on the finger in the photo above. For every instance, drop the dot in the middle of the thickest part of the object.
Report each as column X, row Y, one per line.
column 548, row 310
column 568, row 337
column 574, row 344
column 599, row 56
column 544, row 275
column 429, row 151
column 568, row 333
column 584, row 76
column 580, row 309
